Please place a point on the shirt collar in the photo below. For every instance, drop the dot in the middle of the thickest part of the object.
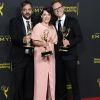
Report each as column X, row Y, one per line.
column 26, row 19
column 62, row 18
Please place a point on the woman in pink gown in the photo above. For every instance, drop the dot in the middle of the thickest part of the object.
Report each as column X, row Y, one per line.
column 44, row 37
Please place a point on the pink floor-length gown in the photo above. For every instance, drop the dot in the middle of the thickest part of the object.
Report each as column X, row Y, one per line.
column 44, row 67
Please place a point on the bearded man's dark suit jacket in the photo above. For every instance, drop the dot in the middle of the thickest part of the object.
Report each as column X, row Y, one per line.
column 22, row 63
column 66, row 62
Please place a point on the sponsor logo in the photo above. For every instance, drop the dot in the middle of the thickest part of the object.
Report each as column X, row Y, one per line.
column 72, row 9
column 69, row 86
column 6, row 66
column 95, row 36
column 97, row 60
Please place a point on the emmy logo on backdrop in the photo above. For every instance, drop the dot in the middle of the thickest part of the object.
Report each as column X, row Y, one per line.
column 1, row 8
column 44, row 38
column 65, row 33
column 5, row 90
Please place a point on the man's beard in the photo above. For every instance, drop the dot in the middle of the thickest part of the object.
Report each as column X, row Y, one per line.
column 27, row 17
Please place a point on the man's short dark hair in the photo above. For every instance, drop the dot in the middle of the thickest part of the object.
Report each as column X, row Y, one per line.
column 57, row 1
column 24, row 3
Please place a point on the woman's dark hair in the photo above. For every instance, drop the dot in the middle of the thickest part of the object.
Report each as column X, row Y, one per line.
column 50, row 11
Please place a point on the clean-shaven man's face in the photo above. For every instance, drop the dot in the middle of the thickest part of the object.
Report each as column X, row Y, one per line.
column 58, row 9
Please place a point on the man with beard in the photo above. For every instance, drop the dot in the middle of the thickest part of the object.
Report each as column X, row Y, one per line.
column 22, row 57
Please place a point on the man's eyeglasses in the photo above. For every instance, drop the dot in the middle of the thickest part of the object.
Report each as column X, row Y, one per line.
column 56, row 9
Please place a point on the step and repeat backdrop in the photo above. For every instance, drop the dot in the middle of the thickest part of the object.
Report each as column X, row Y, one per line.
column 88, row 14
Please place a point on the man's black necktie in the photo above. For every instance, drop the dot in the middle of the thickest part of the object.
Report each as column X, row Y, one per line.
column 60, row 36
column 59, row 26
column 28, row 25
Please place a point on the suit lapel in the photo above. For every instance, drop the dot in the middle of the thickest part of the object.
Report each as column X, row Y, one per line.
column 22, row 26
column 66, row 22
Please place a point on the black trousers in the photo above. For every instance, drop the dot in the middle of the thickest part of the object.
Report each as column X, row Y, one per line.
column 24, row 79
column 64, row 69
